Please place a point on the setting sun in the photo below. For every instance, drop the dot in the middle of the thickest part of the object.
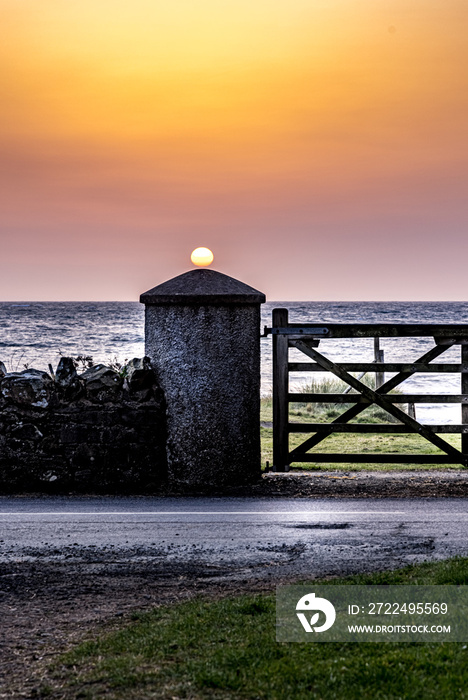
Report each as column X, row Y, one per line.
column 202, row 257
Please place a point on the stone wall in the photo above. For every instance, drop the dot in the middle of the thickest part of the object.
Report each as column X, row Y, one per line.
column 100, row 431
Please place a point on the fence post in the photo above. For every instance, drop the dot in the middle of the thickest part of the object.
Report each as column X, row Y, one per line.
column 202, row 334
column 280, row 393
column 378, row 357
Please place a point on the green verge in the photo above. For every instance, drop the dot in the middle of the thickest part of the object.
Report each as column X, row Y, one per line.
column 349, row 442
column 226, row 649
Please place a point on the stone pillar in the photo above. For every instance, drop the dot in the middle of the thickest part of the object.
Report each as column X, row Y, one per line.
column 202, row 334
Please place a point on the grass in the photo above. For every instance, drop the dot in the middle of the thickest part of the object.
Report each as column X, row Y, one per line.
column 348, row 442
column 315, row 412
column 227, row 649
column 325, row 411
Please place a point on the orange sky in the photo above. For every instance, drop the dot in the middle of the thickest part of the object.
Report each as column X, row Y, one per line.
column 319, row 148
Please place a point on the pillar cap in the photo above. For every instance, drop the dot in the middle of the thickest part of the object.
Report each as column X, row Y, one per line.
column 202, row 287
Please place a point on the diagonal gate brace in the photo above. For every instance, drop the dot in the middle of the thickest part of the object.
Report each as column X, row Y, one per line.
column 355, row 410
column 374, row 397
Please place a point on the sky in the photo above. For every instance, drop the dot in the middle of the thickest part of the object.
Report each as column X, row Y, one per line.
column 318, row 147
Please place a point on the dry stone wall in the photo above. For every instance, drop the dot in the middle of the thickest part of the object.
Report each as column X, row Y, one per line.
column 100, row 431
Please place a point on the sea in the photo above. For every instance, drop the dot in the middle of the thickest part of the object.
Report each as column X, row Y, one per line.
column 36, row 334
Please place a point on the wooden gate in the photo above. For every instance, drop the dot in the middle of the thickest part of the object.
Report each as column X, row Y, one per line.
column 306, row 339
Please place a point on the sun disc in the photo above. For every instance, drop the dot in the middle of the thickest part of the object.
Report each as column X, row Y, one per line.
column 202, row 257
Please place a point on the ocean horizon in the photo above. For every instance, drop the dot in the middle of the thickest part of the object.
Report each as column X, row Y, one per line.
column 36, row 334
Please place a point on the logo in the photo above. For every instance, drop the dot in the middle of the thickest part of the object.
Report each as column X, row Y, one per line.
column 310, row 603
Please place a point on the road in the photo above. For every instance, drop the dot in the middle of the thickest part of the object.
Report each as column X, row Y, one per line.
column 233, row 537
column 69, row 565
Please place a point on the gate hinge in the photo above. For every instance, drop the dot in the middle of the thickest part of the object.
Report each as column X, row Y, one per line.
column 289, row 330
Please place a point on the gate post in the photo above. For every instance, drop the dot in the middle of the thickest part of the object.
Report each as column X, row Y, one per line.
column 280, row 393
column 202, row 334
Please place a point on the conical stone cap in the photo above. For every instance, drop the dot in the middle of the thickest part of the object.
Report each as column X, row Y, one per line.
column 202, row 287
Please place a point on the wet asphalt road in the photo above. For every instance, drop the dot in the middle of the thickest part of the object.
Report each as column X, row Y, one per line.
column 234, row 537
